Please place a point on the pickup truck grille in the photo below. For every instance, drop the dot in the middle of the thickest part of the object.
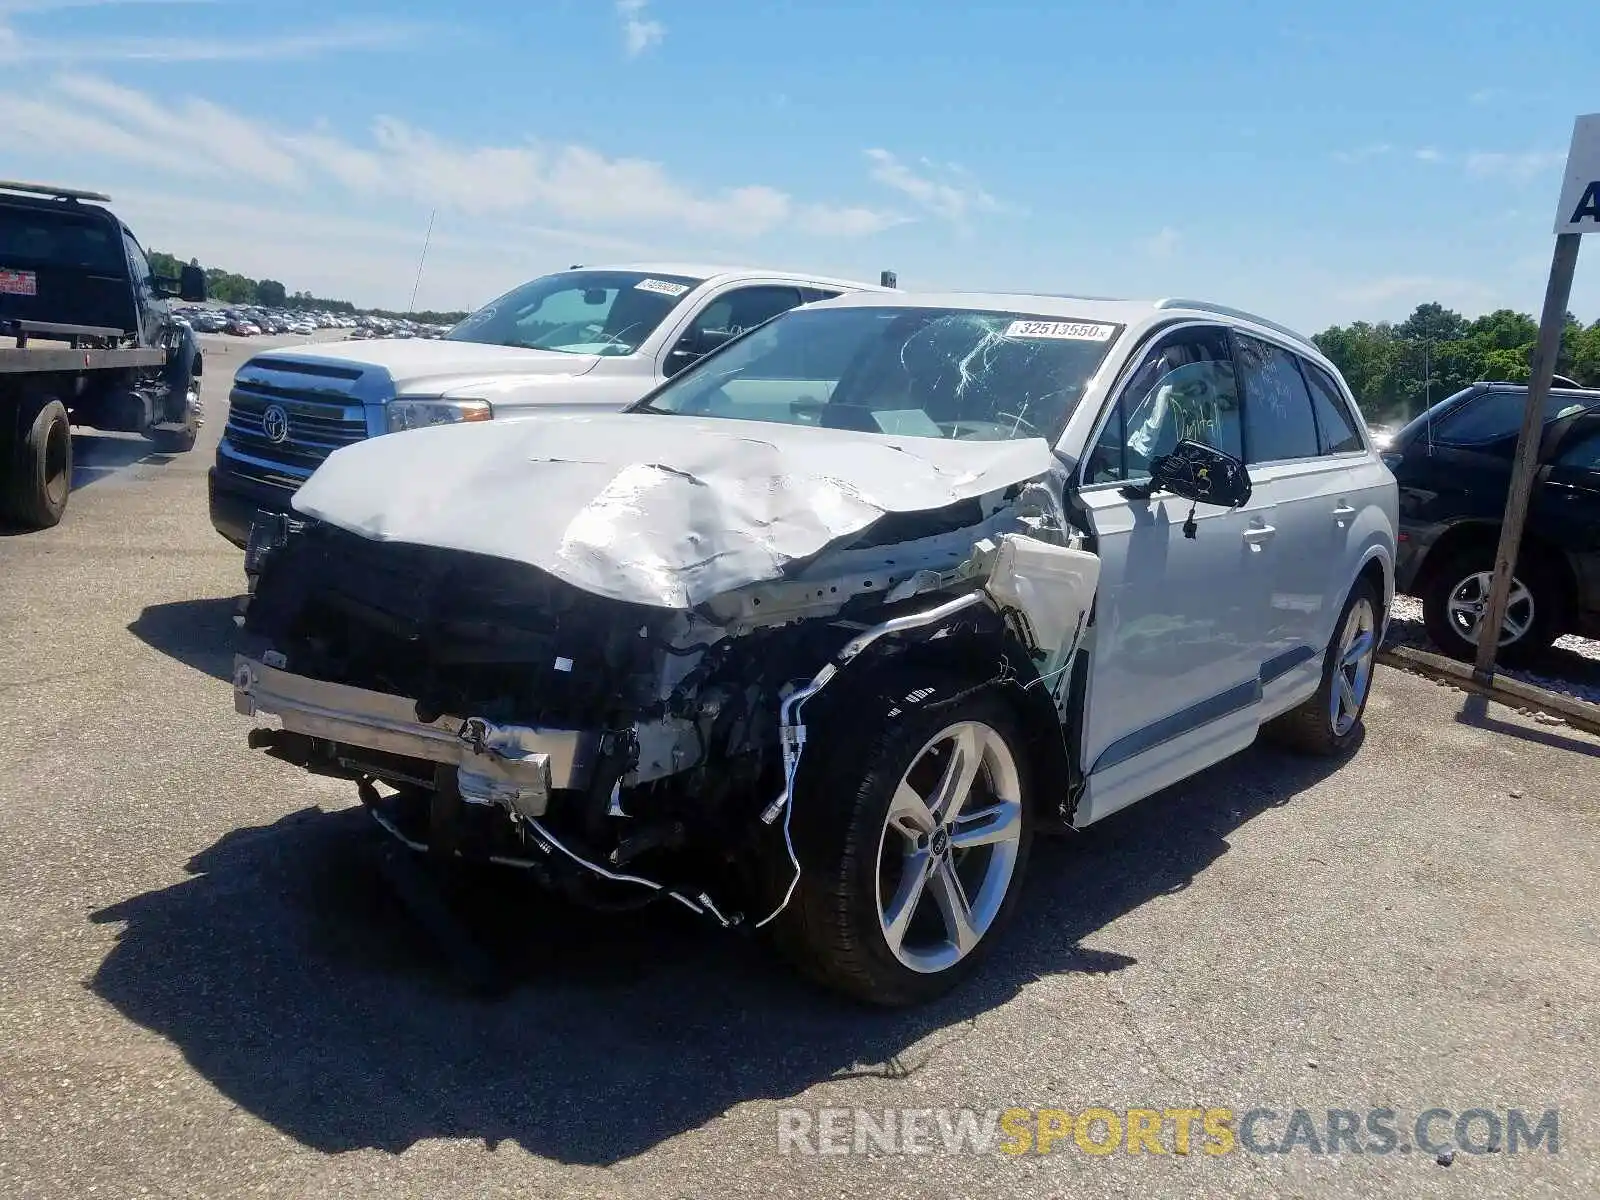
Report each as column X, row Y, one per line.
column 319, row 415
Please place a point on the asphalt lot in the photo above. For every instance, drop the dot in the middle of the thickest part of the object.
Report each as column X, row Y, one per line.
column 206, row 988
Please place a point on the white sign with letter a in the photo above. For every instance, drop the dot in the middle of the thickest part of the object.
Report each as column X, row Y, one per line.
column 1579, row 211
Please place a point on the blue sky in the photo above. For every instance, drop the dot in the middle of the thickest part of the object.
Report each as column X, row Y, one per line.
column 1319, row 162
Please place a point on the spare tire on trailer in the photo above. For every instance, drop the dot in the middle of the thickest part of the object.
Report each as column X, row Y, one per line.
column 37, row 472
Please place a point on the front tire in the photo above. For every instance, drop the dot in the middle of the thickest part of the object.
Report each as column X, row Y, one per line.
column 35, row 482
column 1329, row 723
column 913, row 853
column 180, row 441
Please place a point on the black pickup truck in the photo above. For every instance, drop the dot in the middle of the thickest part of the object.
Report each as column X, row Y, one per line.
column 95, row 344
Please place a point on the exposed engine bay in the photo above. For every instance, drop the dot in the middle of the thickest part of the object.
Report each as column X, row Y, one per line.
column 623, row 750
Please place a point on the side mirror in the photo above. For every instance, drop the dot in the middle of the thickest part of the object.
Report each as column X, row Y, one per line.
column 192, row 284
column 1198, row 473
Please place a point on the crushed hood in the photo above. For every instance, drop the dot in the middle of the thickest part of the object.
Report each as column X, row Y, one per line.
column 412, row 360
column 655, row 510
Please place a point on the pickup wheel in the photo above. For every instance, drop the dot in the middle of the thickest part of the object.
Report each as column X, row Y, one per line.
column 38, row 473
column 913, row 850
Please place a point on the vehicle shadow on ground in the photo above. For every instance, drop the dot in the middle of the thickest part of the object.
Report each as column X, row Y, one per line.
column 96, row 456
column 290, row 976
column 198, row 633
column 1556, row 662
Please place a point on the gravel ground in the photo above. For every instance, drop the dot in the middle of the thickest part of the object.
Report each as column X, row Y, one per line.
column 207, row 989
column 1571, row 666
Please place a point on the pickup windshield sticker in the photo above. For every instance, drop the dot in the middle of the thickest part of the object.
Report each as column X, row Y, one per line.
column 1074, row 331
column 18, row 283
column 661, row 286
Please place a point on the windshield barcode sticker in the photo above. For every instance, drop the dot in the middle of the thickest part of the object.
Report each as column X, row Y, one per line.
column 661, row 286
column 1071, row 330
column 18, row 283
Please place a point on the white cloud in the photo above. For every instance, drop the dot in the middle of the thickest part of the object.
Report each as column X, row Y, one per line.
column 1517, row 168
column 640, row 31
column 20, row 47
column 1415, row 289
column 572, row 183
column 1376, row 150
column 1162, row 244
column 947, row 191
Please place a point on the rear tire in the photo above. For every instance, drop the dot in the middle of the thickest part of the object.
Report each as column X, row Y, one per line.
column 1329, row 723
column 1460, row 584
column 860, row 922
column 38, row 472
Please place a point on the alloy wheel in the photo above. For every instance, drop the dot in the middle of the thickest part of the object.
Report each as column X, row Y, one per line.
column 1469, row 601
column 949, row 846
column 1352, row 671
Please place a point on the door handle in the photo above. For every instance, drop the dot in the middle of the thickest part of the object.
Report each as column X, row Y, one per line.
column 1258, row 535
column 1343, row 511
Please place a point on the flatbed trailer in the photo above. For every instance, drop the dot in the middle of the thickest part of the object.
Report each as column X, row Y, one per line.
column 68, row 270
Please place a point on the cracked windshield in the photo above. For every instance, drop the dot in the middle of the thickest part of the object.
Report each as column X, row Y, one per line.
column 937, row 373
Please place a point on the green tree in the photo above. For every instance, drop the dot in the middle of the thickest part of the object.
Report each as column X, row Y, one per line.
column 271, row 293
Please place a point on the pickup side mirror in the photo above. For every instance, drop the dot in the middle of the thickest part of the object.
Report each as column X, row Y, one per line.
column 1198, row 473
column 192, row 284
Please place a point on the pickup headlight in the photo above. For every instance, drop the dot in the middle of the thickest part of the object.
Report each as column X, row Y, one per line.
column 419, row 414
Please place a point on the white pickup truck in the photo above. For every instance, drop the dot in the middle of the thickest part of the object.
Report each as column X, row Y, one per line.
column 596, row 337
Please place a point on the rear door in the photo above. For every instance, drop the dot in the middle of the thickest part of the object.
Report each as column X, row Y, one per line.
column 1179, row 626
column 1566, row 508
column 1302, row 445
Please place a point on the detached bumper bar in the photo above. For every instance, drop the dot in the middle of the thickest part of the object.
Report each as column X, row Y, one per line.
column 514, row 766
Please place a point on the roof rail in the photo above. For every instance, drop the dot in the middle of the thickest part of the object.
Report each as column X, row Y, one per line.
column 46, row 189
column 1224, row 310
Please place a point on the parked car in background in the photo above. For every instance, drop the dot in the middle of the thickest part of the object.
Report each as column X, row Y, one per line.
column 583, row 339
column 825, row 627
column 1453, row 465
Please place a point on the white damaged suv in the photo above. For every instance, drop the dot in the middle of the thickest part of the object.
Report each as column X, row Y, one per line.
column 820, row 633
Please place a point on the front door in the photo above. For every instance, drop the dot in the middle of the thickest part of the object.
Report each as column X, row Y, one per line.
column 1180, row 617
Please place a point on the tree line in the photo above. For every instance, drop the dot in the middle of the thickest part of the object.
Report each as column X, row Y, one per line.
column 1395, row 370
column 232, row 288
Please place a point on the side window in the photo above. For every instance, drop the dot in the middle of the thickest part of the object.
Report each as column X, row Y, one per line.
column 731, row 313
column 1582, row 455
column 1278, row 423
column 1336, row 431
column 138, row 265
column 1497, row 415
column 811, row 295
column 1184, row 388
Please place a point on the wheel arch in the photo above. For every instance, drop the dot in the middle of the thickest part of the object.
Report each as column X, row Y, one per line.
column 1480, row 535
column 959, row 666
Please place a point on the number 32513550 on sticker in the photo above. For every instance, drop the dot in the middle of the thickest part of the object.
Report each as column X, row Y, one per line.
column 1076, row 331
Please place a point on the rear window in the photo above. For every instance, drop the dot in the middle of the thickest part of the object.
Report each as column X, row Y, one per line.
column 31, row 238
column 1494, row 416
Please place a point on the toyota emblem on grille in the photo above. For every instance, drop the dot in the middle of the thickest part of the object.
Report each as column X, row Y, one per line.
column 275, row 424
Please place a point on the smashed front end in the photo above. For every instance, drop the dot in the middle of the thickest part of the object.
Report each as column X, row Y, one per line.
column 624, row 751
